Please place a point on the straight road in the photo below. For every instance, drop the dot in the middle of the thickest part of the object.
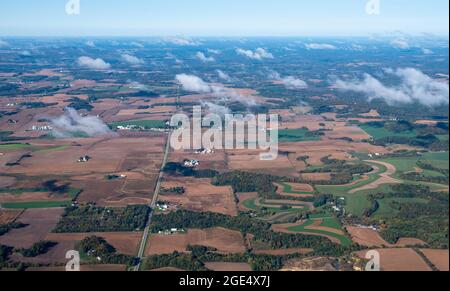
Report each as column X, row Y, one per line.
column 143, row 244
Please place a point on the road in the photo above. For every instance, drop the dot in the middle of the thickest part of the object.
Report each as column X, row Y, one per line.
column 143, row 244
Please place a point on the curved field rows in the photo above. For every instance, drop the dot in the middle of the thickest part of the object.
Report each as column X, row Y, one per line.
column 385, row 178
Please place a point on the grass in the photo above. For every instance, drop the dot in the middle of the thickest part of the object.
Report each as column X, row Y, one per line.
column 20, row 146
column 295, row 135
column 327, row 222
column 36, row 204
column 144, row 123
column 381, row 132
column 14, row 146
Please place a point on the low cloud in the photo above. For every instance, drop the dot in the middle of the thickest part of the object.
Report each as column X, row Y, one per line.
column 3, row 43
column 290, row 82
column 320, row 46
column 426, row 51
column 400, row 44
column 195, row 84
column 94, row 64
column 132, row 60
column 415, row 86
column 72, row 124
column 90, row 43
column 259, row 54
column 216, row 109
column 181, row 41
column 201, row 56
column 224, row 76
column 213, row 51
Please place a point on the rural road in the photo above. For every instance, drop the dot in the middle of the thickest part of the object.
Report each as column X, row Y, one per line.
column 143, row 244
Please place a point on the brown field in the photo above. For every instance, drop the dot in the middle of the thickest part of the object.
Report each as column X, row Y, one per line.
column 371, row 238
column 228, row 267
column 251, row 161
column 399, row 260
column 6, row 181
column 224, row 240
column 426, row 122
column 316, row 176
column 7, row 216
column 40, row 222
column 139, row 157
column 125, row 242
column 83, row 268
column 216, row 161
column 201, row 195
column 439, row 258
column 167, row 269
column 371, row 113
column 338, row 149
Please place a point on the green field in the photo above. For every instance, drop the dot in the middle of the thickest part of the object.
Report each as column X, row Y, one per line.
column 437, row 159
column 143, row 123
column 329, row 222
column 295, row 135
column 20, row 146
column 35, row 204
column 274, row 208
column 381, row 132
column 14, row 146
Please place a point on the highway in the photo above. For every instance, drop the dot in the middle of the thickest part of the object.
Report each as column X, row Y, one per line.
column 146, row 233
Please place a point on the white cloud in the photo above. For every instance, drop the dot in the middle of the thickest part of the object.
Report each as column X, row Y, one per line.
column 90, row 43
column 294, row 83
column 320, row 46
column 72, row 124
column 132, row 60
column 213, row 51
column 3, row 43
column 290, row 82
column 182, row 41
column 216, row 109
column 224, row 76
column 415, row 87
column 400, row 44
column 137, row 44
column 195, row 84
column 94, row 64
column 426, row 51
column 259, row 54
column 201, row 56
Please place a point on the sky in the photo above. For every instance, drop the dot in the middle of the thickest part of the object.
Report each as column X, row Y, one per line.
column 222, row 17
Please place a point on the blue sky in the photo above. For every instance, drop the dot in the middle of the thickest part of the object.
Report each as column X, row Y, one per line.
column 221, row 17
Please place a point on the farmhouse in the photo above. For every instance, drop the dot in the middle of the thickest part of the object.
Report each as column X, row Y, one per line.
column 84, row 159
column 191, row 163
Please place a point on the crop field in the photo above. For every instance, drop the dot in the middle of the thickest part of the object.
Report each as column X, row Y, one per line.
column 328, row 227
column 296, row 135
column 381, row 132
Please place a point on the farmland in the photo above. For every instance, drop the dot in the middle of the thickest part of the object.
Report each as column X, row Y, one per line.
column 86, row 162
